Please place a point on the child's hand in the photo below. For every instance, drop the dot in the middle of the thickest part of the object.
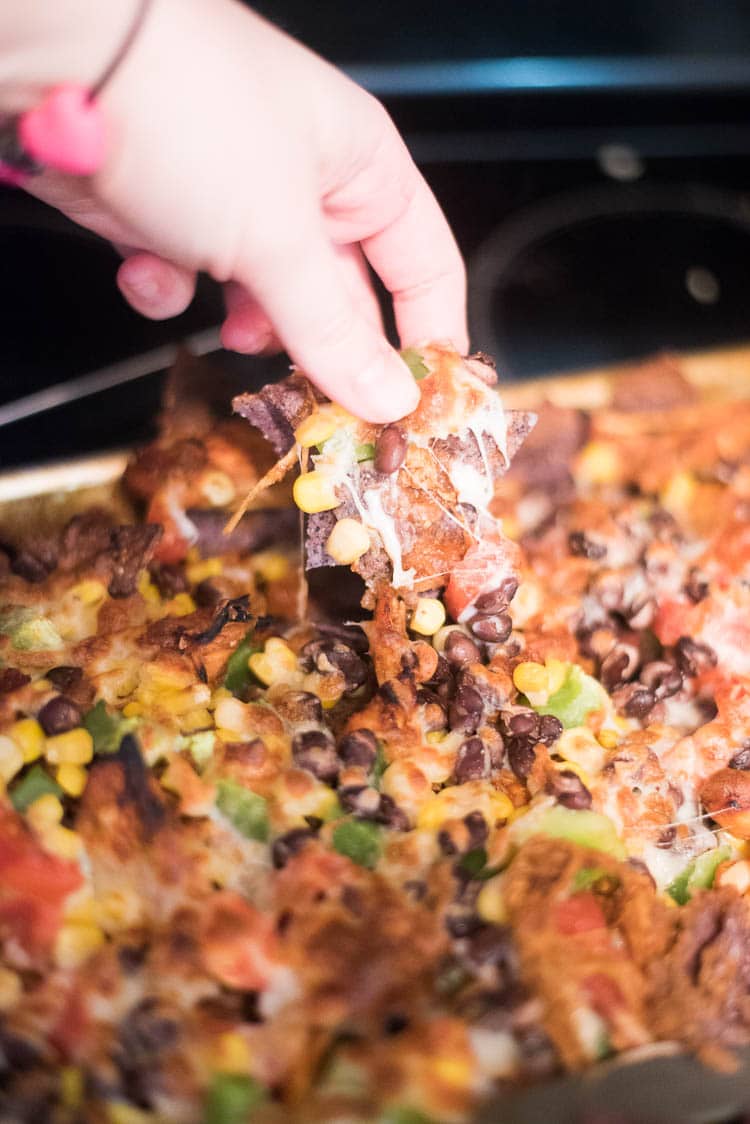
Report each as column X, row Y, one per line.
column 236, row 151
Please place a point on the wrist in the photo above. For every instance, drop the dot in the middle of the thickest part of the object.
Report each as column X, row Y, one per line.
column 44, row 44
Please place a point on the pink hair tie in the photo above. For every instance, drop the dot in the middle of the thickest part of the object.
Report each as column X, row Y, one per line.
column 67, row 130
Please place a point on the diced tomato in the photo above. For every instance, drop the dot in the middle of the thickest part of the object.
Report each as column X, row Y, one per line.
column 604, row 994
column 483, row 568
column 238, row 942
column 173, row 545
column 580, row 913
column 33, row 886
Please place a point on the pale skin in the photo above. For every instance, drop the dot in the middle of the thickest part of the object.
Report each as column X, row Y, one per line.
column 236, row 151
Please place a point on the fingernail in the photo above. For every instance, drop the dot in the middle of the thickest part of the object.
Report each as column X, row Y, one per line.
column 141, row 283
column 236, row 337
column 385, row 390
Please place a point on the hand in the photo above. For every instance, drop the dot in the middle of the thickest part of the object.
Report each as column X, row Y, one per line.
column 237, row 151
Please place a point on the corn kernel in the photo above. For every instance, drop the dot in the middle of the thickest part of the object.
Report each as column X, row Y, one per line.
column 89, row 592
column 275, row 663
column 72, row 779
column 61, row 841
column 10, row 989
column 607, row 739
column 232, row 1053
column 452, row 1071
column 598, row 463
column 147, row 589
column 71, row 1086
column 132, row 709
column 490, row 905
column 181, row 605
column 217, row 488
column 208, row 568
column 317, row 428
column 530, row 677
column 428, row 617
column 118, row 909
column 677, row 495
column 45, row 812
column 76, row 943
column 11, row 758
column 348, row 541
column 557, row 672
column 271, row 565
column 74, row 747
column 314, row 492
column 196, row 719
column 580, row 748
column 120, row 1113
column 29, row 735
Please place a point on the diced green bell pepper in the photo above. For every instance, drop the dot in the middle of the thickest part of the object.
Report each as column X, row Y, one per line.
column 415, row 363
column 358, row 840
column 37, row 782
column 404, row 1116
column 245, row 810
column 697, row 875
column 29, row 632
column 589, row 876
column 107, row 730
column 588, row 829
column 579, row 695
column 365, row 451
column 231, row 1099
column 239, row 676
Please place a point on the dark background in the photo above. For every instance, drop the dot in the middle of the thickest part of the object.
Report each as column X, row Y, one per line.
column 594, row 160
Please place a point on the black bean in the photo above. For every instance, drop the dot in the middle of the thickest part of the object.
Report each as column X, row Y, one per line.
column 461, row 649
column 169, row 579
column 525, row 725
column 315, row 751
column 207, row 595
column 741, row 759
column 360, row 747
column 476, row 825
column 521, row 756
column 494, row 628
column 616, row 667
column 145, row 1031
column 64, row 677
column 550, row 729
column 11, row 679
column 416, row 889
column 299, row 706
column 324, row 655
column 461, row 925
column 493, row 945
column 499, row 598
column 666, row 837
column 661, row 678
column 583, row 546
column 290, row 844
column 640, row 703
column 696, row 586
column 391, row 815
column 465, row 712
column 442, row 673
column 447, row 843
column 569, row 790
column 360, row 799
column 59, row 715
column 694, row 658
column 471, row 761
column 390, row 450
column 34, row 565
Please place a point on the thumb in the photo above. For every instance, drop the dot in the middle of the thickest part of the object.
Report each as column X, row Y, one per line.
column 306, row 298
